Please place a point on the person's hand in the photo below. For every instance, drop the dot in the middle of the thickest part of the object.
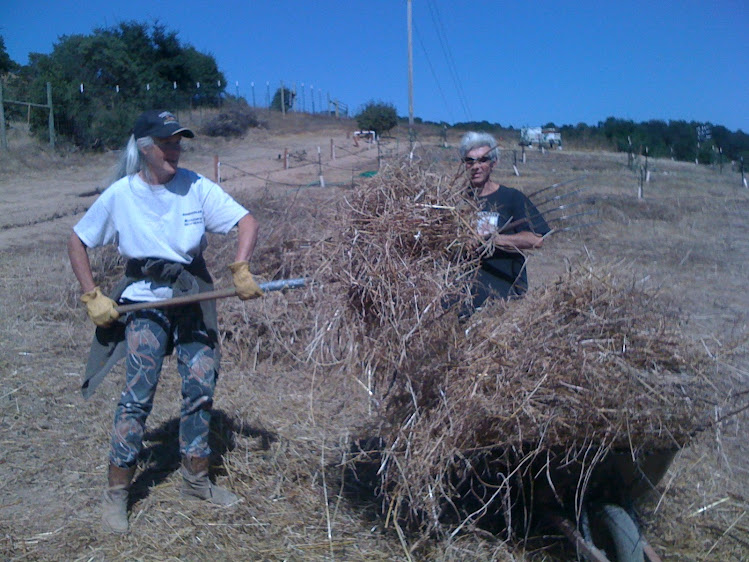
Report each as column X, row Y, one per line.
column 245, row 284
column 101, row 309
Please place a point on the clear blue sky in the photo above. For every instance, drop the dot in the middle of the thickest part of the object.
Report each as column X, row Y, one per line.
column 513, row 63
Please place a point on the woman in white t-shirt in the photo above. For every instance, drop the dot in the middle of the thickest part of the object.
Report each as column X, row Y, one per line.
column 158, row 215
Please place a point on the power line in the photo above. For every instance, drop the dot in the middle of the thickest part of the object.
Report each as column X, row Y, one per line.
column 442, row 36
column 434, row 74
column 434, row 12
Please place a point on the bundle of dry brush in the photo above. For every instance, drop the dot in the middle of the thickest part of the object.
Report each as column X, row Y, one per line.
column 525, row 395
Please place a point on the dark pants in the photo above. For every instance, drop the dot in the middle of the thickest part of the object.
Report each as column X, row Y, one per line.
column 150, row 335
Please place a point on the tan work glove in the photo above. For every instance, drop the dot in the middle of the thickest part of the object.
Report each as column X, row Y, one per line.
column 100, row 308
column 246, row 286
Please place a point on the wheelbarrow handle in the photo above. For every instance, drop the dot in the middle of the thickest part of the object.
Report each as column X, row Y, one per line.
column 277, row 285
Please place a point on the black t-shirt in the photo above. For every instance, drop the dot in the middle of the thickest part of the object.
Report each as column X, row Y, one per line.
column 503, row 274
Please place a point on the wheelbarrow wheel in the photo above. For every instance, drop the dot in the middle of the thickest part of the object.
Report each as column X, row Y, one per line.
column 624, row 533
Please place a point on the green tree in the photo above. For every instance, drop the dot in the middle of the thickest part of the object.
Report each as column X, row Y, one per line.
column 677, row 139
column 6, row 63
column 377, row 116
column 681, row 139
column 124, row 70
column 654, row 137
column 10, row 82
column 484, row 126
column 288, row 100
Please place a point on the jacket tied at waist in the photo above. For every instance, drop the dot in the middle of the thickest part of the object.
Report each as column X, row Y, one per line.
column 109, row 345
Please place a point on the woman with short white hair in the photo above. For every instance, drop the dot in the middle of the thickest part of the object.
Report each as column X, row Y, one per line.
column 506, row 216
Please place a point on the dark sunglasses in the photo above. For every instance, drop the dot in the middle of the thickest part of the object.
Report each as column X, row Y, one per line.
column 167, row 145
column 482, row 160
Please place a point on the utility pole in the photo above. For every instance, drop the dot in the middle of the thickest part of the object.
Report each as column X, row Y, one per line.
column 410, row 72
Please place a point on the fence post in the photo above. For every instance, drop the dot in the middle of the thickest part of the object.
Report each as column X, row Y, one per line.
column 51, row 116
column 215, row 169
column 630, row 156
column 3, row 138
column 642, row 181
column 332, row 150
column 283, row 102
column 319, row 167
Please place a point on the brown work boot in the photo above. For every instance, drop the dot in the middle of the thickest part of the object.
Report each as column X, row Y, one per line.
column 197, row 484
column 114, row 502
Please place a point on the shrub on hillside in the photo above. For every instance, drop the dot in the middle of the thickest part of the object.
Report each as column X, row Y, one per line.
column 231, row 122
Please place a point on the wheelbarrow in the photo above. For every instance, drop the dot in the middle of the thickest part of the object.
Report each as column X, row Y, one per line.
column 619, row 480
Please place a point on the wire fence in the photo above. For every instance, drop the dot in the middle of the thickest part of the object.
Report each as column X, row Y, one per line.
column 304, row 98
column 85, row 111
column 341, row 161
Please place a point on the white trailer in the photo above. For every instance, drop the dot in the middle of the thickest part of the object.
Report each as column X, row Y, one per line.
column 530, row 136
column 538, row 136
column 552, row 138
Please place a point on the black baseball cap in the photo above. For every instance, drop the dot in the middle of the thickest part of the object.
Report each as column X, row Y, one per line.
column 159, row 124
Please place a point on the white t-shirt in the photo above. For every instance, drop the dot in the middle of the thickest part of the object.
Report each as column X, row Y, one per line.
column 158, row 221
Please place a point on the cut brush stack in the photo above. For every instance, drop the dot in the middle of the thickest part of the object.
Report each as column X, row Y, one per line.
column 520, row 406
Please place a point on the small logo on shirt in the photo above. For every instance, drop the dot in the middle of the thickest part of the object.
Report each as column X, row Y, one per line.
column 487, row 223
column 193, row 218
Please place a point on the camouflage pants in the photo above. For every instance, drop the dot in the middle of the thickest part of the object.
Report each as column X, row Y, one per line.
column 150, row 334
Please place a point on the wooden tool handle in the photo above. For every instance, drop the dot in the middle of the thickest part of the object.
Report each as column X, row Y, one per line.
column 277, row 285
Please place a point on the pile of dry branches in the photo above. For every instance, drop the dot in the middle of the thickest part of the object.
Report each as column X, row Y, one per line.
column 388, row 260
column 544, row 389
column 582, row 367
column 407, row 250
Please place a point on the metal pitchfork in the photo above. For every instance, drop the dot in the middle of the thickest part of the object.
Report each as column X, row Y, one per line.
column 556, row 196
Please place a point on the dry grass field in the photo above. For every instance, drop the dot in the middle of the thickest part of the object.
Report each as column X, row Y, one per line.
column 282, row 430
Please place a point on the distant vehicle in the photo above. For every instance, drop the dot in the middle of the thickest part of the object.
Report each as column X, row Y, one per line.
column 537, row 136
column 369, row 136
column 530, row 136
